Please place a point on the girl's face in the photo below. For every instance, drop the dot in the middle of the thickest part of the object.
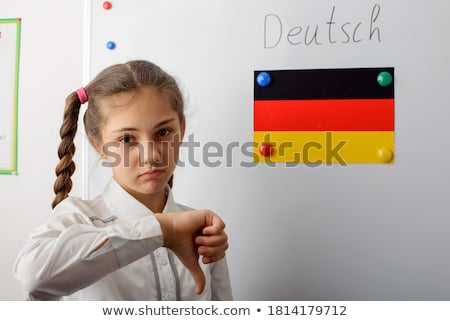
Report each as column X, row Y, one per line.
column 141, row 139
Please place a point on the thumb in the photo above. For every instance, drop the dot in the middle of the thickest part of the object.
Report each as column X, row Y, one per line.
column 199, row 277
column 191, row 263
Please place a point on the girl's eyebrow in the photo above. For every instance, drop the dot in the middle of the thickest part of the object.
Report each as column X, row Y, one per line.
column 126, row 129
column 164, row 122
column 131, row 129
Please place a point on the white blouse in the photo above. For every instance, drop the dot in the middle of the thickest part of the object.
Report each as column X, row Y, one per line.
column 64, row 259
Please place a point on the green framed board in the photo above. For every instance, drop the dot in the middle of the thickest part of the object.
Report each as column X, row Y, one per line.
column 9, row 85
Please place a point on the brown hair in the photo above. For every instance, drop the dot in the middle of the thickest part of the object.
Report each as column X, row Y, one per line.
column 112, row 80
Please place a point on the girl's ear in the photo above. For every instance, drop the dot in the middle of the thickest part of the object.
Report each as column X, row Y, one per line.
column 96, row 146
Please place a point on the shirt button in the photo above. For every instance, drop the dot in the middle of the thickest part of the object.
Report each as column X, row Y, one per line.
column 163, row 261
column 169, row 296
column 135, row 233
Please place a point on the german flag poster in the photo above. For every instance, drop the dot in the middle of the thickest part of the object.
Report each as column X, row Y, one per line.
column 324, row 116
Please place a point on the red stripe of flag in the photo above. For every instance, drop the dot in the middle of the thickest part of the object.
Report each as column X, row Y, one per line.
column 324, row 115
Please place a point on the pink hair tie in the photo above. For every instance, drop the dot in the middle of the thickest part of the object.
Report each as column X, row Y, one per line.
column 82, row 95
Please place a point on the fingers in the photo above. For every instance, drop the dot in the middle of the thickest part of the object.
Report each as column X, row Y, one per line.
column 213, row 251
column 212, row 240
column 214, row 223
column 212, row 255
column 212, row 247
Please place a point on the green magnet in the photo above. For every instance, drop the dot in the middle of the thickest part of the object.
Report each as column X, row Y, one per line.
column 384, row 79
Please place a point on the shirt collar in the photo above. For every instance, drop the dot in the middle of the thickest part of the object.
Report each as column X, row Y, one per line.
column 125, row 207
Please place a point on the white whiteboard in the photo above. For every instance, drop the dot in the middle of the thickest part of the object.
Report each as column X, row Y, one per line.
column 357, row 232
column 9, row 81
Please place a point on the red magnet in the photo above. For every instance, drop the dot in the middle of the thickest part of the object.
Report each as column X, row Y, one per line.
column 266, row 149
column 107, row 5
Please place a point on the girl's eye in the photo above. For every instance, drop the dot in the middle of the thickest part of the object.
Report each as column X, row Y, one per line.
column 125, row 139
column 163, row 132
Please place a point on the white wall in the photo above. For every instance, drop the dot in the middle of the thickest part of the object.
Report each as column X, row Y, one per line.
column 51, row 66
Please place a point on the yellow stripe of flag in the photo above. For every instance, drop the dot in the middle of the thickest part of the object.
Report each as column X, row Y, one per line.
column 320, row 147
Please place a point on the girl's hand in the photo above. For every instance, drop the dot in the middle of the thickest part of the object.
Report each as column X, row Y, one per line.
column 212, row 245
column 193, row 233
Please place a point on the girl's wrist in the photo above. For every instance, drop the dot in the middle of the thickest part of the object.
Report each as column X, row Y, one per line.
column 166, row 224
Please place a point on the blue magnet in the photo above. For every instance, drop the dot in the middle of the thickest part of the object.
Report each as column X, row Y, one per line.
column 263, row 79
column 111, row 45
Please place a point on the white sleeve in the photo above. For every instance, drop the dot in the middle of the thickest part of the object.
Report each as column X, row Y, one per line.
column 220, row 281
column 69, row 252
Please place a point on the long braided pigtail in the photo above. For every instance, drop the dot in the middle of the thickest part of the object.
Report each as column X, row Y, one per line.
column 66, row 149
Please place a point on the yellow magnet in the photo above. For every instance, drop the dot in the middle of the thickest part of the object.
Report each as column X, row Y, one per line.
column 385, row 155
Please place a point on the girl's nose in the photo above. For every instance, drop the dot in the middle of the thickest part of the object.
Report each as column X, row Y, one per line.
column 152, row 154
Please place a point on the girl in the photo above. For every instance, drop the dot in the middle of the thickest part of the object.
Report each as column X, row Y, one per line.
column 120, row 246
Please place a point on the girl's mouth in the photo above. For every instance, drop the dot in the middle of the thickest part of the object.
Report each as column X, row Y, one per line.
column 154, row 173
